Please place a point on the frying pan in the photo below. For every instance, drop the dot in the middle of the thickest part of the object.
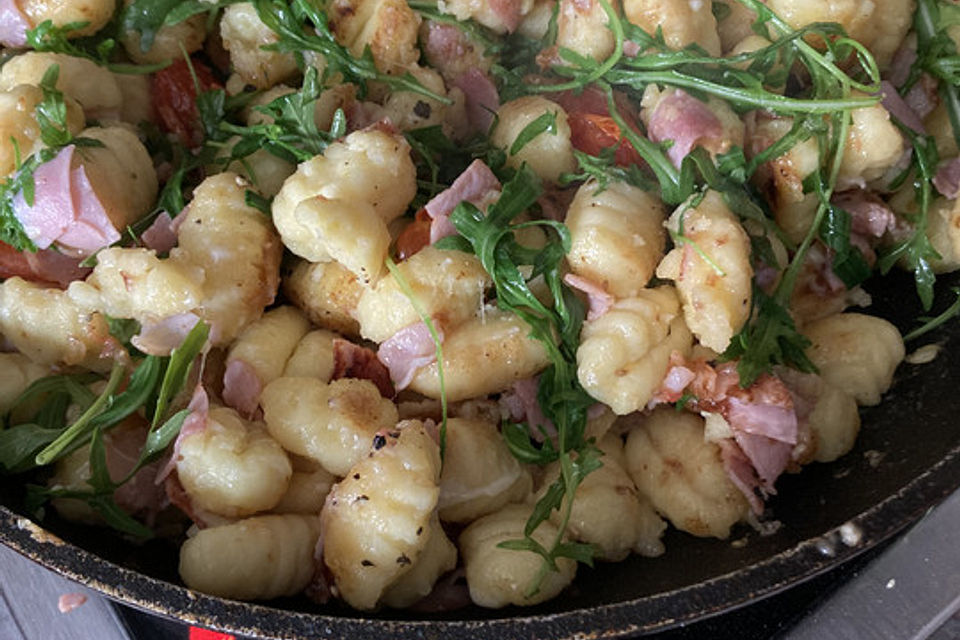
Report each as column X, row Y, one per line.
column 906, row 460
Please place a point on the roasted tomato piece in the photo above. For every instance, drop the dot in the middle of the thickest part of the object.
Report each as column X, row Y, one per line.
column 175, row 99
column 415, row 236
column 592, row 129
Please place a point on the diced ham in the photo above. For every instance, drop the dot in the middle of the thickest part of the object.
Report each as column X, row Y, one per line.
column 408, row 350
column 674, row 384
column 924, row 96
column 685, row 120
column 161, row 235
column 195, row 422
column 903, row 59
column 13, row 24
column 522, row 404
column 46, row 266
column 631, row 49
column 870, row 216
column 65, row 209
column 242, row 387
column 70, row 601
column 163, row 336
column 482, row 96
column 775, row 421
column 899, row 109
column 599, row 300
column 353, row 361
column 476, row 185
column 947, row 178
column 741, row 472
column 509, row 12
column 443, row 42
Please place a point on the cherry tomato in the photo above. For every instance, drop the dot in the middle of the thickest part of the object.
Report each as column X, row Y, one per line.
column 592, row 129
column 415, row 236
column 175, row 99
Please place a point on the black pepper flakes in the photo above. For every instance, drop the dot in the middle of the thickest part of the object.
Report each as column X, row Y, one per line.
column 367, row 563
column 379, row 442
column 403, row 559
column 422, row 109
column 356, row 476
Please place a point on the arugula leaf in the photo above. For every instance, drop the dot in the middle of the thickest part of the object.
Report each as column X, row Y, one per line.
column 146, row 17
column 80, row 427
column 19, row 444
column 848, row 261
column 544, row 123
column 301, row 26
column 929, row 324
column 178, row 369
column 491, row 238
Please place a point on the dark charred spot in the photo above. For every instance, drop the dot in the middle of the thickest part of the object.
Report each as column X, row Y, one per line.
column 379, row 441
column 422, row 109
column 356, row 476
column 419, row 530
column 361, row 498
column 403, row 559
column 367, row 563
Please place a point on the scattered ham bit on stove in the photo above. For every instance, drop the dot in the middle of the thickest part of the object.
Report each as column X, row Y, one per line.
column 483, row 100
column 165, row 335
column 685, row 120
column 476, row 185
column 65, row 209
column 761, row 417
column 13, row 24
column 70, row 601
column 899, row 109
column 947, row 178
column 600, row 301
column 407, row 350
column 353, row 361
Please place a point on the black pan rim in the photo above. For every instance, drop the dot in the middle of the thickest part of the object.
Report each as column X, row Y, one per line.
column 654, row 613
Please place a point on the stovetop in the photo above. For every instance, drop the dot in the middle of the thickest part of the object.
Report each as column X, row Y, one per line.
column 907, row 589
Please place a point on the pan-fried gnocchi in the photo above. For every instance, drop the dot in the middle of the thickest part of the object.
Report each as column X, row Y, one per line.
column 253, row 559
column 616, row 236
column 331, row 423
column 711, row 269
column 682, row 474
column 405, row 303
column 232, row 467
column 377, row 519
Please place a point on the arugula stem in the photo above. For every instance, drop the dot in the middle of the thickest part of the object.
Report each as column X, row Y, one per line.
column 744, row 98
column 79, row 428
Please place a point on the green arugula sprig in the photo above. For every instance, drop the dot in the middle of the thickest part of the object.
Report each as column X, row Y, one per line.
column 929, row 324
column 152, row 387
column 290, row 132
column 915, row 251
column 49, row 37
column 491, row 237
column 51, row 116
column 301, row 26
column 147, row 17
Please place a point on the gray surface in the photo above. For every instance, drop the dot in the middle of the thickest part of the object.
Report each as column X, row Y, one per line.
column 911, row 591
column 28, row 605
